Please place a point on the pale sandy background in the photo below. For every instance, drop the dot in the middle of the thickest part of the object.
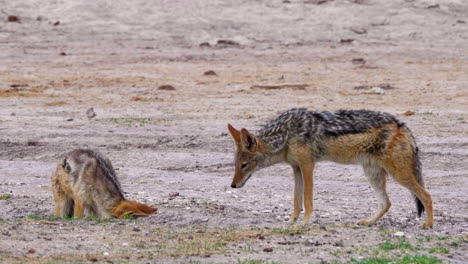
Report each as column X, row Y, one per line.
column 64, row 57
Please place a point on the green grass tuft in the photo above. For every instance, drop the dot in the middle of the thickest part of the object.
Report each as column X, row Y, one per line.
column 408, row 259
column 400, row 244
column 293, row 230
column 35, row 217
column 371, row 261
column 128, row 216
column 126, row 121
column 69, row 218
column 454, row 244
column 5, row 196
column 418, row 259
column 439, row 250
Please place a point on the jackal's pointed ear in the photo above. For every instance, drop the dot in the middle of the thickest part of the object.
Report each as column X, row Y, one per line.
column 248, row 140
column 234, row 133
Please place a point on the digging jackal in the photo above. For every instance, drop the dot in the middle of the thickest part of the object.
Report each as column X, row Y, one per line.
column 378, row 141
column 86, row 181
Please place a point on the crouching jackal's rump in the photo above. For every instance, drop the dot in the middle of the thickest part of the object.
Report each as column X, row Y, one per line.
column 86, row 181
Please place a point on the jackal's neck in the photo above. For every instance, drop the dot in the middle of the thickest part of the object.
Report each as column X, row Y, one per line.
column 272, row 154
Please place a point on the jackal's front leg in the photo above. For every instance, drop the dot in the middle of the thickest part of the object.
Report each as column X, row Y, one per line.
column 306, row 171
column 63, row 206
column 298, row 194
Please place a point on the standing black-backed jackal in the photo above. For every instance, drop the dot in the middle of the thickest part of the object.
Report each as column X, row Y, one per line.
column 86, row 181
column 378, row 141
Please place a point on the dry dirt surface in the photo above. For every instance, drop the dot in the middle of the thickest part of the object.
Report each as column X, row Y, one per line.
column 161, row 118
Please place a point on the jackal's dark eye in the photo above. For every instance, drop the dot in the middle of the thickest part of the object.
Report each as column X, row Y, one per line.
column 244, row 165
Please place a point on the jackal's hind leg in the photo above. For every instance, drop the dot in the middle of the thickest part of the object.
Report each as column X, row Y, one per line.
column 298, row 194
column 401, row 166
column 376, row 176
column 411, row 184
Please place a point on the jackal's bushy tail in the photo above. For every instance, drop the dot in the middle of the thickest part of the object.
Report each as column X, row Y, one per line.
column 419, row 177
column 133, row 208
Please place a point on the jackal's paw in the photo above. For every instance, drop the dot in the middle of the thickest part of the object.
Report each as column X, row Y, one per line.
column 365, row 222
column 292, row 220
column 426, row 225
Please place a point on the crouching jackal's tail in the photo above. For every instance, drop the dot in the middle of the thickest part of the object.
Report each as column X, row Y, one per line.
column 133, row 208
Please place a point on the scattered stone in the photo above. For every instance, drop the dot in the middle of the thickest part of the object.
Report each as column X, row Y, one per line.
column 310, row 242
column 358, row 61
column 173, row 195
column 267, row 211
column 31, row 251
column 362, row 87
column 383, row 86
column 106, row 253
column 166, row 87
column 433, row 6
column 18, row 85
column 399, row 234
column 317, row 2
column 386, row 86
column 205, row 45
column 32, row 143
column 358, row 30
column 461, row 21
column 378, row 90
column 210, row 73
column 346, row 41
column 93, row 259
column 63, row 54
column 56, row 23
column 408, row 113
column 124, row 244
column 69, row 119
column 205, row 255
column 90, row 113
column 13, row 114
column 13, row 19
column 280, row 86
column 268, row 249
column 225, row 43
column 338, row 244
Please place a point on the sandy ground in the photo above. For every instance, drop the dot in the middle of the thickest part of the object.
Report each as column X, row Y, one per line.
column 172, row 149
